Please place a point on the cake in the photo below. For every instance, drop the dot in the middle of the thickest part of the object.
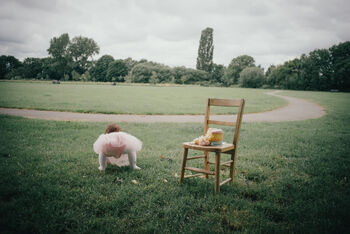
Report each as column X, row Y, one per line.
column 216, row 136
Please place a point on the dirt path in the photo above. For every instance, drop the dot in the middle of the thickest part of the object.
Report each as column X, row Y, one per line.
column 297, row 109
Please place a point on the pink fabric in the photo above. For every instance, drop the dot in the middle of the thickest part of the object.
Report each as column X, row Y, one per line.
column 110, row 145
column 115, row 143
column 113, row 151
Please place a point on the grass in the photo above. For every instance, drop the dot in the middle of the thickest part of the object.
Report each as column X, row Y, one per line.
column 291, row 177
column 124, row 99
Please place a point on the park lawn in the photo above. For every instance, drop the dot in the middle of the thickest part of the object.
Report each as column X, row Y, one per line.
column 127, row 99
column 291, row 177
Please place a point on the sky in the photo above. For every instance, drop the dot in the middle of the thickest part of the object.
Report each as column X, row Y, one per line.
column 168, row 31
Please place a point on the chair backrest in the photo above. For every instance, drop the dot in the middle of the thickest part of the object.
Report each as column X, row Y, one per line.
column 228, row 103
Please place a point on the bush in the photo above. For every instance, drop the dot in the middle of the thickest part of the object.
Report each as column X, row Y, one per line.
column 75, row 75
column 252, row 77
column 141, row 73
column 117, row 70
column 184, row 75
column 86, row 76
column 151, row 72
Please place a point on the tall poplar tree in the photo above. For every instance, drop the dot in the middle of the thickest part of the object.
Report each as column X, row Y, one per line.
column 205, row 51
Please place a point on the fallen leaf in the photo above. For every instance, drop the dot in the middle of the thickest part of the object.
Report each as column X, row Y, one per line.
column 163, row 157
column 165, row 181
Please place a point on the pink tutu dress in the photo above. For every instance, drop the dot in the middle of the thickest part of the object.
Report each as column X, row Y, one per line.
column 115, row 143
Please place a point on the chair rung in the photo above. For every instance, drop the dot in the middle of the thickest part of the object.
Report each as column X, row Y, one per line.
column 210, row 121
column 225, row 181
column 200, row 170
column 195, row 157
column 189, row 176
column 226, row 163
column 223, row 164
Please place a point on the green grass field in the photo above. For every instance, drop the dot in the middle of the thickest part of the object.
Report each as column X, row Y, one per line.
column 292, row 177
column 127, row 99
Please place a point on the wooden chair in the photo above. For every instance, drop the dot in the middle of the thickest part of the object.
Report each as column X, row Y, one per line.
column 226, row 148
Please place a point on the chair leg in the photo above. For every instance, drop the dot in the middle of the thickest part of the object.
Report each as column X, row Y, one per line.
column 233, row 166
column 183, row 165
column 206, row 163
column 217, row 172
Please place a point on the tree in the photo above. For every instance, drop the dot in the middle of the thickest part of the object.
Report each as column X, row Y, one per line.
column 154, row 78
column 81, row 49
column 143, row 72
column 32, row 67
column 71, row 55
column 288, row 75
column 117, row 70
column 217, row 73
column 99, row 71
column 321, row 69
column 179, row 72
column 205, row 51
column 316, row 70
column 61, row 63
column 235, row 67
column 341, row 64
column 130, row 63
column 252, row 77
column 270, row 75
column 58, row 46
column 8, row 65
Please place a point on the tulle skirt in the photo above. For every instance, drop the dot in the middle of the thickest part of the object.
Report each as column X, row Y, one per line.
column 115, row 143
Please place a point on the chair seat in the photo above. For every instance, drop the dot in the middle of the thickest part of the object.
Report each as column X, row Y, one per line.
column 219, row 148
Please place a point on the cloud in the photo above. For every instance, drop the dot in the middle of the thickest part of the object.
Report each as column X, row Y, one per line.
column 168, row 31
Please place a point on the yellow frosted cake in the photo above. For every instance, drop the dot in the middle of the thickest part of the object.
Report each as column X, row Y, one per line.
column 216, row 136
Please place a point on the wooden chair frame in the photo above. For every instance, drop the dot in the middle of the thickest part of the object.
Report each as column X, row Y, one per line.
column 224, row 148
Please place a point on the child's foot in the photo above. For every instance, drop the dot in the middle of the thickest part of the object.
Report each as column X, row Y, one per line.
column 101, row 168
column 136, row 168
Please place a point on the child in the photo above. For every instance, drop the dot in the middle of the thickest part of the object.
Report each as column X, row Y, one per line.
column 114, row 143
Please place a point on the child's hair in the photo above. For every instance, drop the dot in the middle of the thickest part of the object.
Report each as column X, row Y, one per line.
column 112, row 128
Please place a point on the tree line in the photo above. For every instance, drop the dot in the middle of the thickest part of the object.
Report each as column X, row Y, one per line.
column 72, row 60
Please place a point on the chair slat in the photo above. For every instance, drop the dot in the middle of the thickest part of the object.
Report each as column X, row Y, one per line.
column 199, row 170
column 195, row 157
column 222, row 165
column 225, row 123
column 226, row 163
column 225, row 181
column 189, row 176
column 225, row 102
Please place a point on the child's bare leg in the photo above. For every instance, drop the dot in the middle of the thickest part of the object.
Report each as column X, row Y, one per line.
column 103, row 162
column 132, row 160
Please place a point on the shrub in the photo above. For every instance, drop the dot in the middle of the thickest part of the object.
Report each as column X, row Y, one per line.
column 140, row 73
column 184, row 75
column 75, row 75
column 151, row 72
column 252, row 77
column 86, row 76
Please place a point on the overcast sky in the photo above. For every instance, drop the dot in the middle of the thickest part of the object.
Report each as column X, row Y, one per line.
column 168, row 32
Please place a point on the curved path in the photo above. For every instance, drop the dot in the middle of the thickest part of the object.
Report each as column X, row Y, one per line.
column 297, row 109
